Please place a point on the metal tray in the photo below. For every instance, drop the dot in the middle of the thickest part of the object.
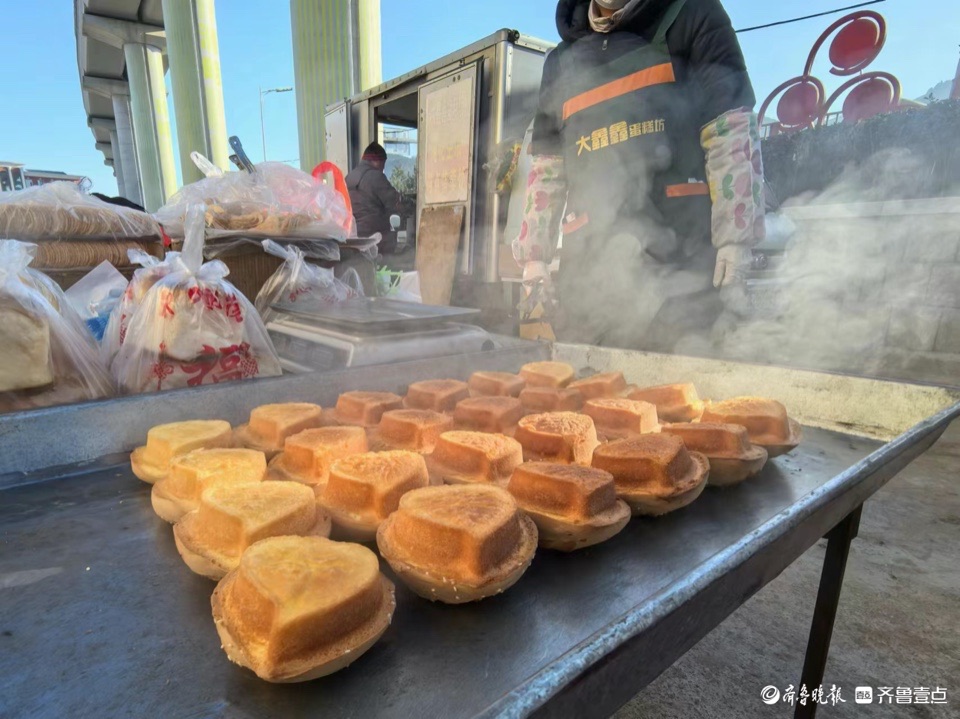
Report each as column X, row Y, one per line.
column 99, row 615
column 367, row 315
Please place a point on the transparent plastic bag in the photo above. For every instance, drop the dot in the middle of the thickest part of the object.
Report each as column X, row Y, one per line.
column 325, row 250
column 60, row 210
column 152, row 270
column 46, row 357
column 193, row 327
column 275, row 201
column 298, row 281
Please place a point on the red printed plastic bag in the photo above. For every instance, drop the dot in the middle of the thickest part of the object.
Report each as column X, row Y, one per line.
column 47, row 356
column 152, row 270
column 193, row 327
column 298, row 281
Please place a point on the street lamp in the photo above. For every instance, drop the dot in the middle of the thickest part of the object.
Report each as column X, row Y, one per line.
column 263, row 134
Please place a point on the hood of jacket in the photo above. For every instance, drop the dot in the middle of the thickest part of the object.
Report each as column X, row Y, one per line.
column 636, row 16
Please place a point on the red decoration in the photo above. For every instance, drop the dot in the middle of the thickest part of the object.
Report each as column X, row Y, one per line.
column 803, row 102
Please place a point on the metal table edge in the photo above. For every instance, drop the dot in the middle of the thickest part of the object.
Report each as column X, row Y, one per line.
column 540, row 687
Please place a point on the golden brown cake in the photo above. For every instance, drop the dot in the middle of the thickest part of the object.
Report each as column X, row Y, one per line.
column 674, row 402
column 231, row 517
column 573, row 506
column 308, row 456
column 458, row 544
column 654, row 473
column 618, row 417
column 474, row 457
column 193, row 473
column 271, row 424
column 766, row 422
column 547, row 374
column 608, row 384
column 439, row 395
column 364, row 489
column 536, row 400
column 732, row 457
column 495, row 384
column 488, row 414
column 414, row 429
column 151, row 462
column 299, row 608
column 364, row 409
column 564, row 437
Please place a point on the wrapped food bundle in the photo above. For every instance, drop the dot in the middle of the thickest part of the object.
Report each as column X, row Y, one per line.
column 296, row 280
column 60, row 210
column 275, row 201
column 151, row 271
column 193, row 327
column 47, row 356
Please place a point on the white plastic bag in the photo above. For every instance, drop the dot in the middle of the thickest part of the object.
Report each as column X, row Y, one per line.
column 296, row 280
column 46, row 358
column 152, row 270
column 275, row 201
column 95, row 294
column 59, row 210
column 193, row 327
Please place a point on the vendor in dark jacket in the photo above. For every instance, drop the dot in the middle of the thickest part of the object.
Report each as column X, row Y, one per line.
column 645, row 134
column 373, row 198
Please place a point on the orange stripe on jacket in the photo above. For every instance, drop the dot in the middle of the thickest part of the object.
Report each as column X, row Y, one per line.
column 656, row 75
column 688, row 189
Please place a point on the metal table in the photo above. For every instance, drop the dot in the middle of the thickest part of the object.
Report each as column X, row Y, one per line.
column 99, row 616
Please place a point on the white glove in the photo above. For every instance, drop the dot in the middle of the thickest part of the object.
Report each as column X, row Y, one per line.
column 733, row 262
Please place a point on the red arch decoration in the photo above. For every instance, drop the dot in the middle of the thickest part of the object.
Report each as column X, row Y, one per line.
column 858, row 39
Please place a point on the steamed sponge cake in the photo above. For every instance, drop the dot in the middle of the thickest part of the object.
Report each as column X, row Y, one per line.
column 564, row 437
column 608, row 384
column 271, row 424
column 765, row 420
column 573, row 506
column 365, row 488
column 495, row 384
column 298, row 608
column 488, row 414
column 465, row 457
column 308, row 456
column 547, row 374
column 536, row 400
column 654, row 473
column 166, row 441
column 230, row 518
column 674, row 402
column 439, row 395
column 364, row 409
column 458, row 544
column 732, row 457
column 190, row 474
column 617, row 417
column 414, row 429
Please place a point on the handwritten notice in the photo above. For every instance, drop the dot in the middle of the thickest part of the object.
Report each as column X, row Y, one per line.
column 446, row 166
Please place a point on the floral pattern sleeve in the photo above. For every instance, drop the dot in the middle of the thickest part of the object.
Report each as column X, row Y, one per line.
column 735, row 173
column 543, row 208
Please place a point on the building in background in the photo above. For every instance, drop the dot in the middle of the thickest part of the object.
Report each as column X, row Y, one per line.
column 14, row 176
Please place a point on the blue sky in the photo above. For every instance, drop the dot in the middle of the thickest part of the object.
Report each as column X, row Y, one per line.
column 44, row 124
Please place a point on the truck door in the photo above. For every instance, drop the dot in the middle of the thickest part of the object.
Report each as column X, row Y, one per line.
column 448, row 145
column 337, row 136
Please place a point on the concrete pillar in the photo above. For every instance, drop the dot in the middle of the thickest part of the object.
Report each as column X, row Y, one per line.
column 368, row 29
column 117, row 162
column 151, row 123
column 194, row 55
column 336, row 48
column 126, row 151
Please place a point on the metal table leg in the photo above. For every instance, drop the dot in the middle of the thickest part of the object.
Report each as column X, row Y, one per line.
column 825, row 612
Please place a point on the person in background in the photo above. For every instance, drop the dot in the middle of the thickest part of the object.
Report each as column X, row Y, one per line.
column 374, row 199
column 646, row 157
